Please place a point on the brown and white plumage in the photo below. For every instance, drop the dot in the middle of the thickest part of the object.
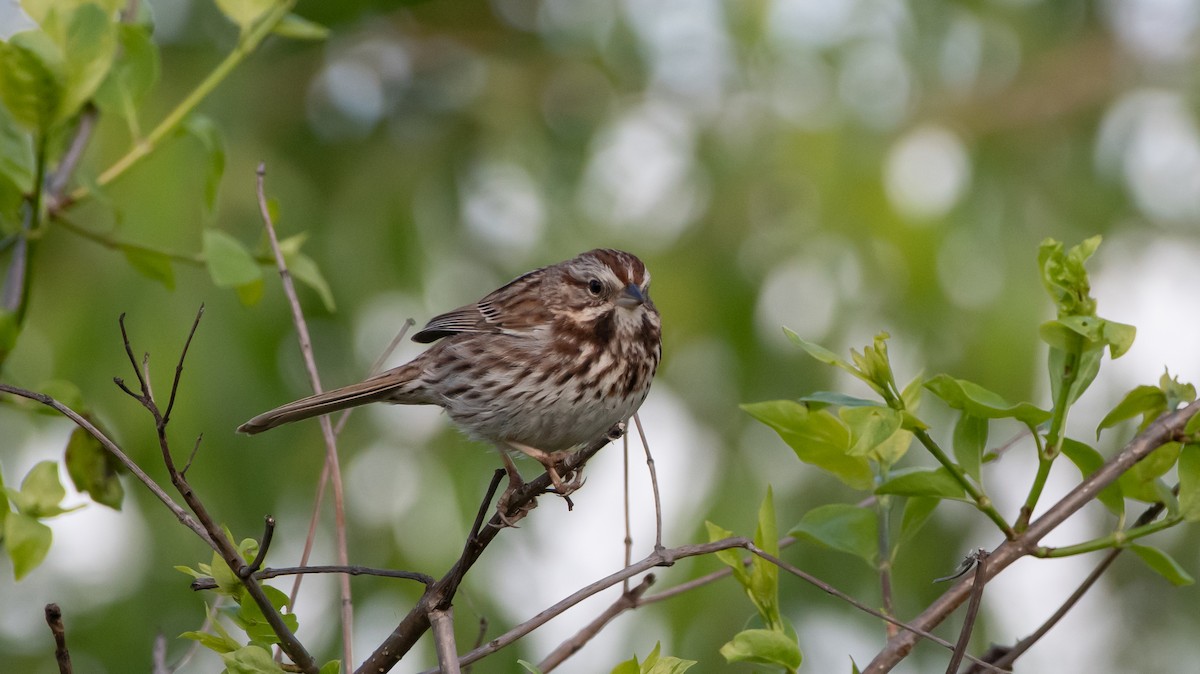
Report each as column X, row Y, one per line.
column 550, row 361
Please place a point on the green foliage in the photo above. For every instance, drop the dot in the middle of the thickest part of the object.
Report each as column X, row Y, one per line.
column 843, row 527
column 776, row 644
column 1163, row 564
column 653, row 664
column 25, row 538
column 94, row 470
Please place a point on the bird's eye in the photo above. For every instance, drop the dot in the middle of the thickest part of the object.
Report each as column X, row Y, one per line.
column 595, row 287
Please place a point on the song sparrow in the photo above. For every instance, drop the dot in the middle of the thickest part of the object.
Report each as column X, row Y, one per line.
column 547, row 363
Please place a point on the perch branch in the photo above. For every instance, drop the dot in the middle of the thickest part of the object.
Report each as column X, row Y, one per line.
column 61, row 654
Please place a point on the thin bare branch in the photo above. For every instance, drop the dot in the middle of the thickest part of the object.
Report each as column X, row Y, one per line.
column 113, row 449
column 331, row 453
column 658, row 526
column 264, row 574
column 443, row 639
column 61, row 654
column 627, row 600
column 1162, row 430
column 979, row 557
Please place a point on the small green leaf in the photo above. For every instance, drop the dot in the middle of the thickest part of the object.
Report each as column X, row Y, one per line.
column 41, row 492
column 1163, row 564
column 229, row 263
column 1065, row 278
column 208, row 133
column 94, row 470
column 331, row 667
column 818, row 437
column 763, row 647
column 532, row 668
column 970, row 439
column 834, row 398
column 133, row 74
column 27, row 541
column 1088, row 461
column 1189, row 483
column 728, row 557
column 764, row 576
column 90, row 45
column 299, row 28
column 1177, row 393
column 816, row 350
column 245, row 13
column 630, row 666
column 32, row 79
column 303, row 269
column 934, row 482
column 213, row 642
column 152, row 264
column 869, row 427
column 16, row 152
column 978, row 401
column 250, row 660
column 917, row 511
column 842, row 527
column 1148, row 401
column 1142, row 481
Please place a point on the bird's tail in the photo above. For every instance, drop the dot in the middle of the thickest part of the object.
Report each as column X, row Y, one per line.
column 388, row 385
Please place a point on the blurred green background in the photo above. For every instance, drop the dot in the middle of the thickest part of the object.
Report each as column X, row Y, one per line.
column 840, row 168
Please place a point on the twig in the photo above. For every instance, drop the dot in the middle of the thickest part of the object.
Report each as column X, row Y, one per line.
column 268, row 532
column 625, row 490
column 1162, row 430
column 61, row 654
column 667, row 557
column 964, row 636
column 441, row 593
column 215, row 536
column 158, row 655
column 267, row 573
column 442, row 620
column 1005, row 656
column 658, row 528
column 706, row 579
column 115, row 450
column 627, row 600
column 331, row 453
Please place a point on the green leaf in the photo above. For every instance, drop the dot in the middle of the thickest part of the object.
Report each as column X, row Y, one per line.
column 1088, row 461
column 917, row 511
column 133, row 74
column 213, row 642
column 934, row 482
column 299, row 28
column 842, row 527
column 1065, row 278
column 980, row 402
column 764, row 576
column 250, row 660
column 818, row 438
column 869, row 427
column 41, row 492
column 1163, row 564
column 229, row 263
column 331, row 667
column 729, row 557
column 32, row 79
column 530, row 667
column 94, row 470
column 303, row 269
column 1148, row 401
column 822, row 398
column 630, row 666
column 152, row 264
column 970, row 439
column 1176, row 392
column 763, row 647
column 1189, row 483
column 89, row 45
column 16, row 152
column 208, row 133
column 245, row 13
column 27, row 541
column 250, row 293
column 817, row 351
column 1142, row 482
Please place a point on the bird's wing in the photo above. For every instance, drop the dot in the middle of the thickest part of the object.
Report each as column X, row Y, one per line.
column 512, row 309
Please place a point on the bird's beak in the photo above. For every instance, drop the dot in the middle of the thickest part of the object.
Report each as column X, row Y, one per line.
column 631, row 297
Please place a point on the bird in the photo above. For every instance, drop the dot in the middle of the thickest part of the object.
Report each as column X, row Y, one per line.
column 545, row 364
